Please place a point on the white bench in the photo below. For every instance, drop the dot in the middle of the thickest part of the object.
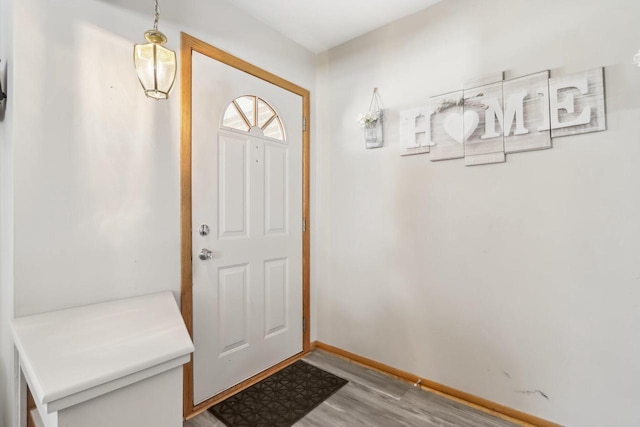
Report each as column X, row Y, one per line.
column 112, row 364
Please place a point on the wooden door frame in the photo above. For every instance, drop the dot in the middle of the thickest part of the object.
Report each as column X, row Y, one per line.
column 190, row 44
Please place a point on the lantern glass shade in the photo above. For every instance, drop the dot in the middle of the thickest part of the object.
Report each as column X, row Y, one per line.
column 156, row 67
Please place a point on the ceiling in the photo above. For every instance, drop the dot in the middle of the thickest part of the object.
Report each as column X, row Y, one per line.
column 322, row 24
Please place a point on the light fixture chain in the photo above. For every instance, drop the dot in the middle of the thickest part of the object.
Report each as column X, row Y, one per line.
column 157, row 16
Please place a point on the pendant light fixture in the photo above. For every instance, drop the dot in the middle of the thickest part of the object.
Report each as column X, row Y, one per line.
column 155, row 64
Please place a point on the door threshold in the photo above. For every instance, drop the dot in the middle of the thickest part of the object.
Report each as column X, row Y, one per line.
column 212, row 401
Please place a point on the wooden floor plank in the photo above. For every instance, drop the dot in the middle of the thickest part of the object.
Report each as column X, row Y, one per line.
column 373, row 399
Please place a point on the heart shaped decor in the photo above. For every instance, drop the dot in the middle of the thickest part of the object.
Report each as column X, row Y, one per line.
column 460, row 127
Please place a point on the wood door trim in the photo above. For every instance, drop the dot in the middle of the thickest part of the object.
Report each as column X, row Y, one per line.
column 480, row 403
column 190, row 44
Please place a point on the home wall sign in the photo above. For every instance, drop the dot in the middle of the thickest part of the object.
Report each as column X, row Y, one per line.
column 484, row 123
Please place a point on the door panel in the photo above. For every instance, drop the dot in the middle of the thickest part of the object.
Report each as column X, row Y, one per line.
column 233, row 308
column 234, row 185
column 247, row 299
column 276, row 189
column 276, row 303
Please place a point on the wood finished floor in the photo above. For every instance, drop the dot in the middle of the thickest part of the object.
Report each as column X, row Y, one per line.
column 373, row 399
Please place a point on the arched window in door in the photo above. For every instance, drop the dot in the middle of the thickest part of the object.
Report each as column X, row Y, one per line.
column 254, row 115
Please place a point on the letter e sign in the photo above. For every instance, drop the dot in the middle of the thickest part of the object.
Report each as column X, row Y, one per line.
column 577, row 103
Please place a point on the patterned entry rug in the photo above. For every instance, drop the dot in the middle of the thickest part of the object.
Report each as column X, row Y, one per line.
column 279, row 400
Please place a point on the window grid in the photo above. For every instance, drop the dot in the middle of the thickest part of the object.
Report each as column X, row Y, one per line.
column 252, row 114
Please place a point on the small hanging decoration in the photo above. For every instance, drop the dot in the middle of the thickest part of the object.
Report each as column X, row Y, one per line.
column 371, row 122
column 636, row 59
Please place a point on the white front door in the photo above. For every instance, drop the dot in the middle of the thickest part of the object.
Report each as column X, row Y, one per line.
column 246, row 210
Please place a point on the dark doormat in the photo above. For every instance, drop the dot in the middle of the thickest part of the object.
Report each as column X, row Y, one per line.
column 279, row 400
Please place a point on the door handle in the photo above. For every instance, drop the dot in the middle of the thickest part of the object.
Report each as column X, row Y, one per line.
column 205, row 254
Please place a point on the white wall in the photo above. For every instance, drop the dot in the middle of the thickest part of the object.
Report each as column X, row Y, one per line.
column 494, row 279
column 8, row 377
column 96, row 163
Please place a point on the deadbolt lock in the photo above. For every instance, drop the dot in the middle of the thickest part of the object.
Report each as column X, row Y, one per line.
column 203, row 230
